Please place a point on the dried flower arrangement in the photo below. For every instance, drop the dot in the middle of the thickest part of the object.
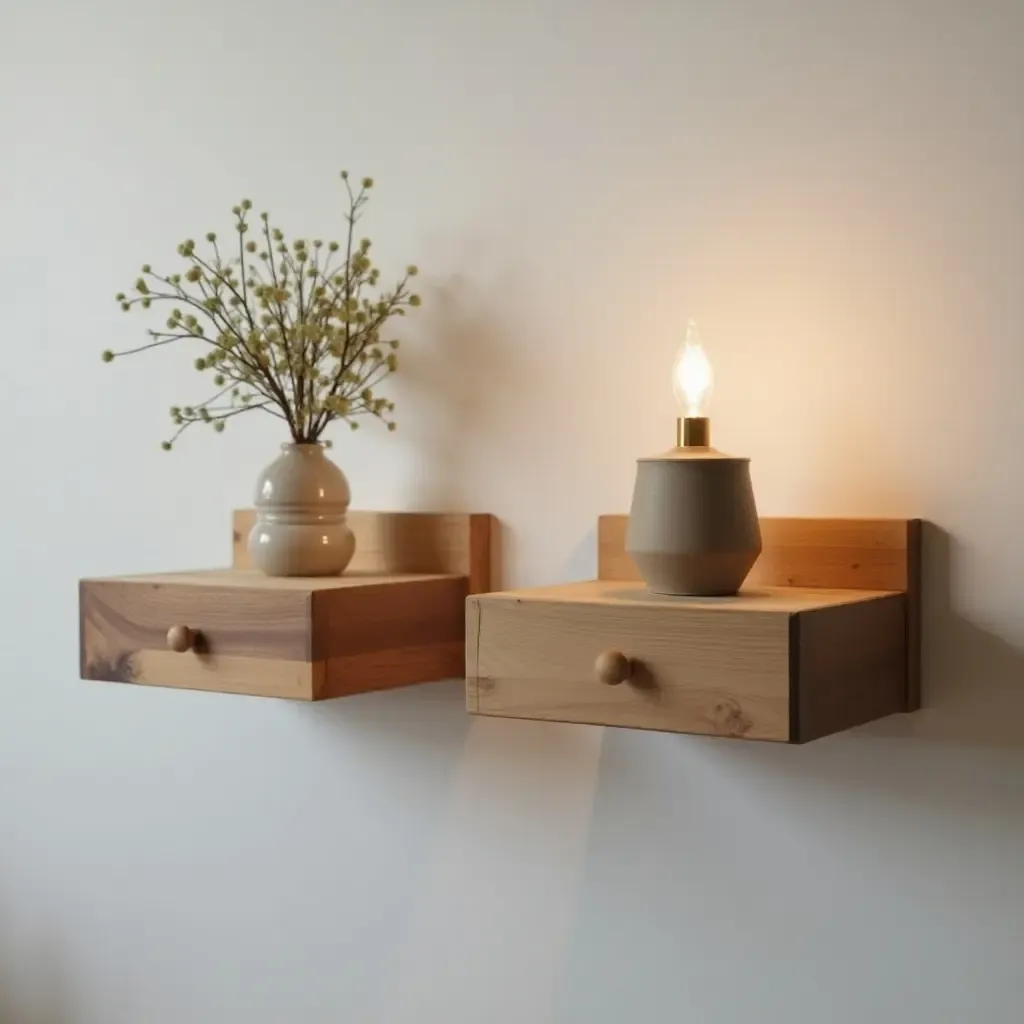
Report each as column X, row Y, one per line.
column 296, row 330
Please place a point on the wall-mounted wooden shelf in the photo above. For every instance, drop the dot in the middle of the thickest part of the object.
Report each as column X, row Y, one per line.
column 396, row 617
column 823, row 637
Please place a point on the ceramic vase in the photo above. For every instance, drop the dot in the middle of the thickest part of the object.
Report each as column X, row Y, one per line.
column 301, row 501
column 693, row 526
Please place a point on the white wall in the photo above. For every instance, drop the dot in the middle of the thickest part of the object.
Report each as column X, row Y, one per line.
column 836, row 192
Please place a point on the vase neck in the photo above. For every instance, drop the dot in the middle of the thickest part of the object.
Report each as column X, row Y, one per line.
column 306, row 447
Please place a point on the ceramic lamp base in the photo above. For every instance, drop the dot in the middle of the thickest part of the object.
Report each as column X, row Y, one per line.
column 693, row 526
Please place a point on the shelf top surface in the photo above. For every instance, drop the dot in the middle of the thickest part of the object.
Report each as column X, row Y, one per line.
column 623, row 594
column 253, row 579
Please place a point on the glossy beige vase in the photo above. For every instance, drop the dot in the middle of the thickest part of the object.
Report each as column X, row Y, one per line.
column 693, row 526
column 301, row 503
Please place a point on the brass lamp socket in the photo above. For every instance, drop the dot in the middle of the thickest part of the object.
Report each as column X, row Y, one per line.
column 693, row 432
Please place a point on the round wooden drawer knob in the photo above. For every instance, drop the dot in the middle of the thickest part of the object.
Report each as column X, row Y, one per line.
column 180, row 638
column 612, row 667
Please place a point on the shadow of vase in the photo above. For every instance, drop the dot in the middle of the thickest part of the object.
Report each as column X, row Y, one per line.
column 465, row 376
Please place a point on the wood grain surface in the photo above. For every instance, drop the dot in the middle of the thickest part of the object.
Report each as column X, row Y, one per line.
column 850, row 665
column 854, row 554
column 786, row 664
column 699, row 669
column 631, row 594
column 394, row 543
column 849, row 554
column 385, row 635
column 303, row 639
column 396, row 617
column 124, row 625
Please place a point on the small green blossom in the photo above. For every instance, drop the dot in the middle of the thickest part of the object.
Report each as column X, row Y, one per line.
column 211, row 236
column 120, row 296
column 415, row 300
column 166, row 445
column 108, row 356
column 200, row 363
column 367, row 182
column 219, row 426
column 412, row 270
column 146, row 268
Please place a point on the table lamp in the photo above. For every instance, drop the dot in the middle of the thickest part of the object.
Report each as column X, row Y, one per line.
column 693, row 527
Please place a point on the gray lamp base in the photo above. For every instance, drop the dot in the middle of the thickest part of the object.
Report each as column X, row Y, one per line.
column 693, row 527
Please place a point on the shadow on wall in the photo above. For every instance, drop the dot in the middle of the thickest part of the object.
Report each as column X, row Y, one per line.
column 36, row 996
column 973, row 680
column 412, row 724
column 467, row 375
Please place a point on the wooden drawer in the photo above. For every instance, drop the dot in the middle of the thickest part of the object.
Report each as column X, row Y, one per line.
column 305, row 639
column 773, row 664
column 396, row 617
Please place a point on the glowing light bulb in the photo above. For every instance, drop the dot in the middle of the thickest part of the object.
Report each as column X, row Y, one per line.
column 693, row 380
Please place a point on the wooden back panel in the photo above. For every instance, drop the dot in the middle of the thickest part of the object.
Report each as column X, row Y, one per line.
column 405, row 542
column 841, row 554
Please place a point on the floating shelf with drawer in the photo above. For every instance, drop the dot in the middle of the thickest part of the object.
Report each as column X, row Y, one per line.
column 396, row 617
column 823, row 637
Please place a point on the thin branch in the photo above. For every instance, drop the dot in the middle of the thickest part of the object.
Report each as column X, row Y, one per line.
column 153, row 344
